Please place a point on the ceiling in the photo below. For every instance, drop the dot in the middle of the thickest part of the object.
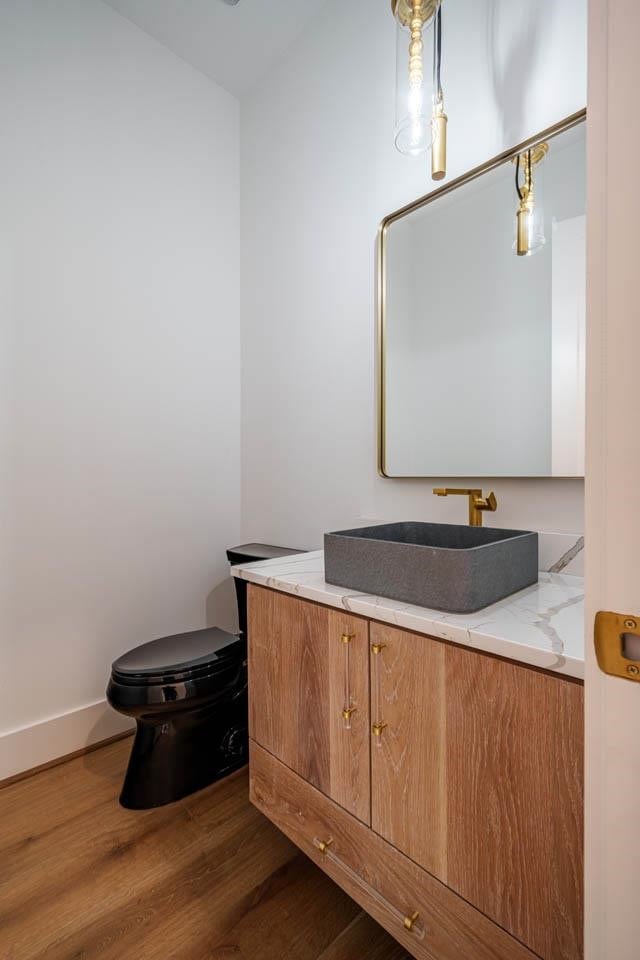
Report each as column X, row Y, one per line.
column 233, row 45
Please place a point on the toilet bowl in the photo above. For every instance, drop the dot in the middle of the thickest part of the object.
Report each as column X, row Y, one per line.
column 188, row 696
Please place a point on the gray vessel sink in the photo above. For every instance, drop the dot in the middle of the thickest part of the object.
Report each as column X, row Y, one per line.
column 444, row 566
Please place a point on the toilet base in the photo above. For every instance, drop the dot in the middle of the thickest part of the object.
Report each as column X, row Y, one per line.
column 174, row 756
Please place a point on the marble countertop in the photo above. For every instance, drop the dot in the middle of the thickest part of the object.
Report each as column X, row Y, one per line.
column 542, row 626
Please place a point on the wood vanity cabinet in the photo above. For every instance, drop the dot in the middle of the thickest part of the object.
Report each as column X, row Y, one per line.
column 449, row 802
column 309, row 668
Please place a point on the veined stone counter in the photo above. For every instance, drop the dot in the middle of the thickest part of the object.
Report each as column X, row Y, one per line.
column 542, row 626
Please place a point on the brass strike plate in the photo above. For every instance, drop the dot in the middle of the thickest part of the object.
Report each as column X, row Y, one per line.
column 616, row 635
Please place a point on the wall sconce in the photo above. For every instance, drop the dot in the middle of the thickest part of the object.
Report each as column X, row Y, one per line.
column 530, row 236
column 420, row 125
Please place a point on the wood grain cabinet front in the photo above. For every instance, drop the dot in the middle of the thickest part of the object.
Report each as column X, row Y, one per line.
column 465, row 768
column 309, row 693
column 477, row 776
column 430, row 921
column 408, row 785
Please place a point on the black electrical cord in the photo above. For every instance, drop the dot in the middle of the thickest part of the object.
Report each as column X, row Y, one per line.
column 437, row 53
column 518, row 189
column 530, row 168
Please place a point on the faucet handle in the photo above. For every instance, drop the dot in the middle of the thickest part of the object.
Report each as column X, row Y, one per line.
column 487, row 503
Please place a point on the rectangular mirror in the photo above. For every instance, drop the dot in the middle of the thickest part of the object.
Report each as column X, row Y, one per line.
column 482, row 345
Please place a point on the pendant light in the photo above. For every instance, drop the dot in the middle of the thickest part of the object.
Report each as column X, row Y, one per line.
column 421, row 123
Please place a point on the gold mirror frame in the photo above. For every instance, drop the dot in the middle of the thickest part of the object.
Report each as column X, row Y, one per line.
column 561, row 127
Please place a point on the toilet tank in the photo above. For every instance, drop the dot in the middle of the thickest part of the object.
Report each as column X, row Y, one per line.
column 250, row 553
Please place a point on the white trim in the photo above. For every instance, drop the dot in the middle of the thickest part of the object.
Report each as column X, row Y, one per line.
column 612, row 513
column 29, row 747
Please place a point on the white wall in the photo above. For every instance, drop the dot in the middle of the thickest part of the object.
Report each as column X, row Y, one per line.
column 319, row 171
column 119, row 359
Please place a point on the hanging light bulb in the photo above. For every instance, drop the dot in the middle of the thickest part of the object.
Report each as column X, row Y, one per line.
column 420, row 125
column 413, row 131
column 530, row 235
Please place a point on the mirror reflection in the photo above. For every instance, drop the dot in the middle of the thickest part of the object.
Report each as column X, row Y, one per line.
column 483, row 322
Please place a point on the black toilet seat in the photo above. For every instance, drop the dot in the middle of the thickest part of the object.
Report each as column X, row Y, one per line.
column 178, row 658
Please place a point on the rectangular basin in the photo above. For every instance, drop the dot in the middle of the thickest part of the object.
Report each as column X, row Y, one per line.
column 457, row 569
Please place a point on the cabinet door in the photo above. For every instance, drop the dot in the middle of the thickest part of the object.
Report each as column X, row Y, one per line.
column 408, row 788
column 515, row 798
column 309, row 693
column 477, row 776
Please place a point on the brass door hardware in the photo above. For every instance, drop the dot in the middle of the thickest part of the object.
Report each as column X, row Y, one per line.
column 349, row 707
column 477, row 503
column 376, row 692
column 409, row 922
column 617, row 642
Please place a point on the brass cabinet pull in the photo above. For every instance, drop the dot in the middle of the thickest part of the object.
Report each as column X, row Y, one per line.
column 323, row 845
column 409, row 922
column 349, row 707
column 376, row 698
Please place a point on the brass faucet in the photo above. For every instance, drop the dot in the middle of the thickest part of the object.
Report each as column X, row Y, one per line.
column 477, row 503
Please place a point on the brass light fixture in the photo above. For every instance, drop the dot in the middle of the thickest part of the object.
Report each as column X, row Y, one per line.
column 530, row 235
column 420, row 126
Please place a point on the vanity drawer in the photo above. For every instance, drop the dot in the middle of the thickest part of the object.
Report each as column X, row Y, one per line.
column 427, row 918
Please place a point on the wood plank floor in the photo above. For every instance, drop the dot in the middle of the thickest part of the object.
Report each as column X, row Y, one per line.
column 207, row 878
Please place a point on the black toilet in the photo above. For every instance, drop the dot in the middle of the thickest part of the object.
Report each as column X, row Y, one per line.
column 188, row 695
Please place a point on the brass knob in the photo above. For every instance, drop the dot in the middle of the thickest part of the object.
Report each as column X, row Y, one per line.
column 323, row 845
column 377, row 729
column 347, row 637
column 377, row 648
column 409, row 922
column 346, row 713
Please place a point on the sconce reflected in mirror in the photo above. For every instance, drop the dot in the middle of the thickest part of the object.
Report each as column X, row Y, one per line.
column 421, row 123
column 530, row 231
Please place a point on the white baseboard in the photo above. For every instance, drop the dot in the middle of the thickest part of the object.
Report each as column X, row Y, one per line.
column 42, row 742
